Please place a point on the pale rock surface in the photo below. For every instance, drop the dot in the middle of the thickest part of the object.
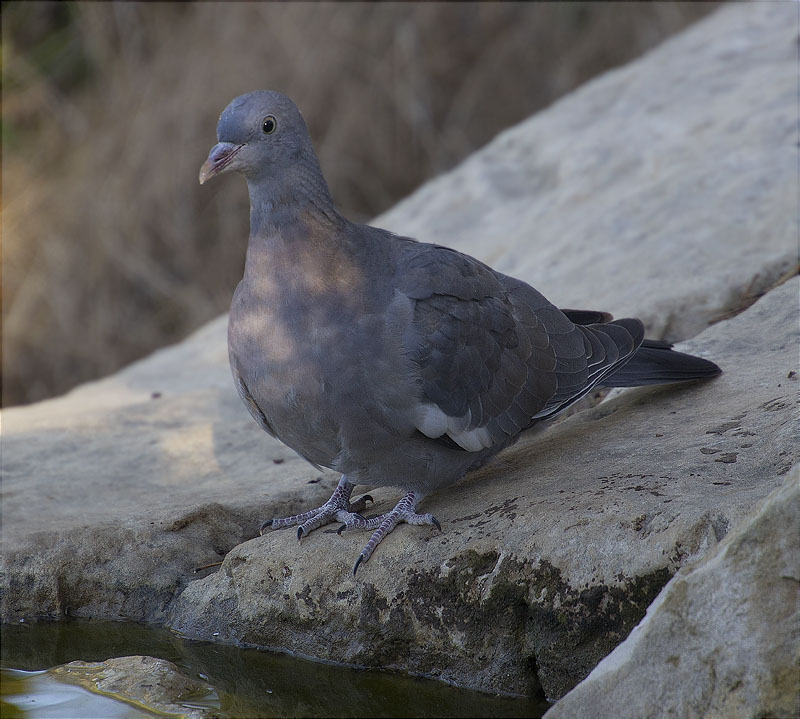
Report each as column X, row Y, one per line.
column 721, row 640
column 686, row 158
column 114, row 493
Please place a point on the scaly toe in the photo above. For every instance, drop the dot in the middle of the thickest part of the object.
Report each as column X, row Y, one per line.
column 385, row 523
column 352, row 521
column 337, row 507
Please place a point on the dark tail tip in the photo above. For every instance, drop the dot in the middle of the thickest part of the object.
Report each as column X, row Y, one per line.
column 655, row 363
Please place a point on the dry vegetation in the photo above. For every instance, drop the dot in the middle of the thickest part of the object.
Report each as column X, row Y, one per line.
column 112, row 249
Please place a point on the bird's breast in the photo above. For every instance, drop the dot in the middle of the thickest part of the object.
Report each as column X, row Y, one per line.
column 314, row 340
column 280, row 358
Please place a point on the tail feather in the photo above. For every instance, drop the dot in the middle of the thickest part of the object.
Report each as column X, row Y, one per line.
column 587, row 317
column 656, row 363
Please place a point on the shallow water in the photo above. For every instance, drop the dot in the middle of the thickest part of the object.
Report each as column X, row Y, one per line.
column 248, row 683
column 38, row 695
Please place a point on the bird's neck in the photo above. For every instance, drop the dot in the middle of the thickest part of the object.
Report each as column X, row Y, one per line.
column 296, row 232
column 282, row 197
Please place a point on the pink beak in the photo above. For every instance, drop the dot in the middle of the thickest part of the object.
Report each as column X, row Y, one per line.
column 218, row 160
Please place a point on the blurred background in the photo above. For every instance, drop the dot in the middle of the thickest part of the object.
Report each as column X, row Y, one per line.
column 110, row 246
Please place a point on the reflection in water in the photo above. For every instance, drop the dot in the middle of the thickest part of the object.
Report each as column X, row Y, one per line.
column 38, row 695
column 249, row 683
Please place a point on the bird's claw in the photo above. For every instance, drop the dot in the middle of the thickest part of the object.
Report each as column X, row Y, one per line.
column 339, row 507
column 356, row 522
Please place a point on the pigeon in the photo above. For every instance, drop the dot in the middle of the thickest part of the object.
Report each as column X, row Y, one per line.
column 391, row 361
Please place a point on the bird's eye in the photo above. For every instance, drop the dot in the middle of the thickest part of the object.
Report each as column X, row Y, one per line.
column 269, row 125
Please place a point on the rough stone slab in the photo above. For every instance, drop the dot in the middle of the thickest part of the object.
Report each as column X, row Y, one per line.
column 550, row 556
column 686, row 158
column 114, row 493
column 721, row 640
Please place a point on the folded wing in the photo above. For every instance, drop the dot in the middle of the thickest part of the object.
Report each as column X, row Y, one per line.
column 493, row 355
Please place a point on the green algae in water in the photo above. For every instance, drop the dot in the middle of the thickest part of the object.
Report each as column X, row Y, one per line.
column 248, row 683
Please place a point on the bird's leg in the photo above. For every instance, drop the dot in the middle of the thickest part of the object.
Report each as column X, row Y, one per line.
column 337, row 508
column 404, row 511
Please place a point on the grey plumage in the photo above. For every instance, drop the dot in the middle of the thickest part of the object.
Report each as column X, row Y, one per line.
column 392, row 361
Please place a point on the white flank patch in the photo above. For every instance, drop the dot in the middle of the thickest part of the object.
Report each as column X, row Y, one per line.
column 433, row 423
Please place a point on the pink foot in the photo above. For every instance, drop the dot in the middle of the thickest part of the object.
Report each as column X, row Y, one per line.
column 337, row 508
column 404, row 511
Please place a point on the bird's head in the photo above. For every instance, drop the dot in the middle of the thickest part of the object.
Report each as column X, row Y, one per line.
column 257, row 132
